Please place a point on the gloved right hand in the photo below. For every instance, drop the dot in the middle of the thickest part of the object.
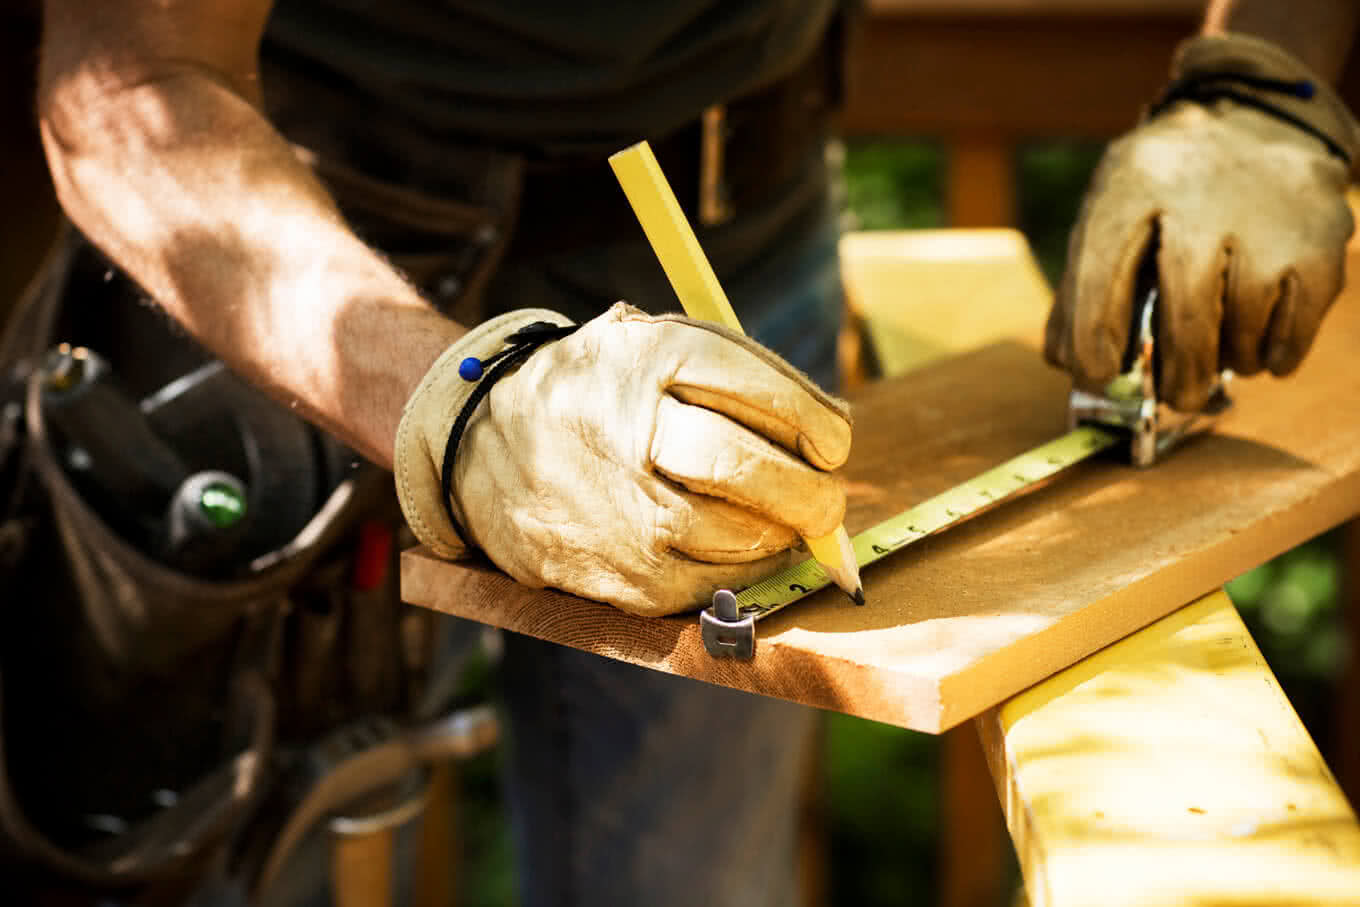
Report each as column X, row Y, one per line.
column 643, row 460
column 1248, row 210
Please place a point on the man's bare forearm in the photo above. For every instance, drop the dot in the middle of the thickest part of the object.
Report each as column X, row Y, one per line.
column 1318, row 32
column 176, row 175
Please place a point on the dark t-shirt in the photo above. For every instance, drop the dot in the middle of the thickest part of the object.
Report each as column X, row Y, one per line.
column 544, row 74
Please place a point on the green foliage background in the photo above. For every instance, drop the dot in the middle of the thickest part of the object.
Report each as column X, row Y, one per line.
column 881, row 783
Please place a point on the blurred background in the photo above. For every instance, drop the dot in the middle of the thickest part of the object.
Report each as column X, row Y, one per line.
column 975, row 113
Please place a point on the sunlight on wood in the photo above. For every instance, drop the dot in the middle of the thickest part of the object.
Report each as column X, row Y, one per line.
column 1170, row 768
column 921, row 295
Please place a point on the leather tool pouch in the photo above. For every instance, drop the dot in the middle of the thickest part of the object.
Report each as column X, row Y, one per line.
column 139, row 702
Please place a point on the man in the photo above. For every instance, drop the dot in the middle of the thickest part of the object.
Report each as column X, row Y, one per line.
column 640, row 460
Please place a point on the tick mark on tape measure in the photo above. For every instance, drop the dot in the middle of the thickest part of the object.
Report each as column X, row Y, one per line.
column 1019, row 478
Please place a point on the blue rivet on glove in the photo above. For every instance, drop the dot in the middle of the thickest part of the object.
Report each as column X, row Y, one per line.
column 470, row 369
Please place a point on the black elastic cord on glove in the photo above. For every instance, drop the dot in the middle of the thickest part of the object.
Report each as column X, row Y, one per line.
column 488, row 371
column 1205, row 88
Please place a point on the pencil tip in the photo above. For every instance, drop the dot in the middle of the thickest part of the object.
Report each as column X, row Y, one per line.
column 858, row 596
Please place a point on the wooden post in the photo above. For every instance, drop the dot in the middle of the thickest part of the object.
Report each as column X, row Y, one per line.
column 979, row 192
column 437, row 871
column 980, row 181
column 361, row 869
column 973, row 840
column 1346, row 759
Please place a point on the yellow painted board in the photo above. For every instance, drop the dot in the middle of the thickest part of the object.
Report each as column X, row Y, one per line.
column 922, row 295
column 1169, row 769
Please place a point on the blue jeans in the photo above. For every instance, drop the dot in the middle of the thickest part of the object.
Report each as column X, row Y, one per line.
column 629, row 786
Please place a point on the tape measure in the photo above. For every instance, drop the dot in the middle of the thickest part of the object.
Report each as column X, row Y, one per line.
column 728, row 628
column 1126, row 412
column 930, row 516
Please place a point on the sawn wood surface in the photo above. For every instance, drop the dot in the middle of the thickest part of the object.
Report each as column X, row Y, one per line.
column 963, row 620
column 1170, row 769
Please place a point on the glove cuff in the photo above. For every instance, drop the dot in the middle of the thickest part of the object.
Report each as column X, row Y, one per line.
column 427, row 419
column 1259, row 74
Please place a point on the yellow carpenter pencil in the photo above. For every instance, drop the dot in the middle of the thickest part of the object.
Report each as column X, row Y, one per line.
column 689, row 271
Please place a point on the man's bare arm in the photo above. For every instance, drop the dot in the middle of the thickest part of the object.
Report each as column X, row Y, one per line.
column 1318, row 32
column 160, row 154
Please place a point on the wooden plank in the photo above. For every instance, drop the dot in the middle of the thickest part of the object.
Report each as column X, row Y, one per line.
column 1042, row 75
column 1016, row 69
column 905, row 288
column 1171, row 769
column 1008, row 297
column 967, row 619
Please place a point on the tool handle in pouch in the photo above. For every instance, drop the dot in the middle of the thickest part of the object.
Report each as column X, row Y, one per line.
column 138, row 482
column 107, row 444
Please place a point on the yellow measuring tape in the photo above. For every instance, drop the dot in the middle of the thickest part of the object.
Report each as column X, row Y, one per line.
column 930, row 516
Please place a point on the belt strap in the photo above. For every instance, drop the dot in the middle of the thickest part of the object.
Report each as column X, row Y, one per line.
column 733, row 156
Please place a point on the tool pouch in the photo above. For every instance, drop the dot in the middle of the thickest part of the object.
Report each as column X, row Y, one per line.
column 139, row 702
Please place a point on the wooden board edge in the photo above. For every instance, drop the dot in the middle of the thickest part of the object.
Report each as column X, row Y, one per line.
column 780, row 670
column 974, row 690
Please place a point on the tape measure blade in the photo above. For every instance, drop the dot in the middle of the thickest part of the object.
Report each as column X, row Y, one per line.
column 949, row 507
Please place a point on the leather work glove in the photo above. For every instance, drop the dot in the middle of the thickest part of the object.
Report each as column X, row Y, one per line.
column 1247, row 211
column 642, row 460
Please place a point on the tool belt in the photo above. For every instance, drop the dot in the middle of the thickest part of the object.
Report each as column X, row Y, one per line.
column 733, row 156
column 150, row 714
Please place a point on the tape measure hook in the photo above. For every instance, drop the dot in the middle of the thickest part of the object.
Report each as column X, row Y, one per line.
column 725, row 632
